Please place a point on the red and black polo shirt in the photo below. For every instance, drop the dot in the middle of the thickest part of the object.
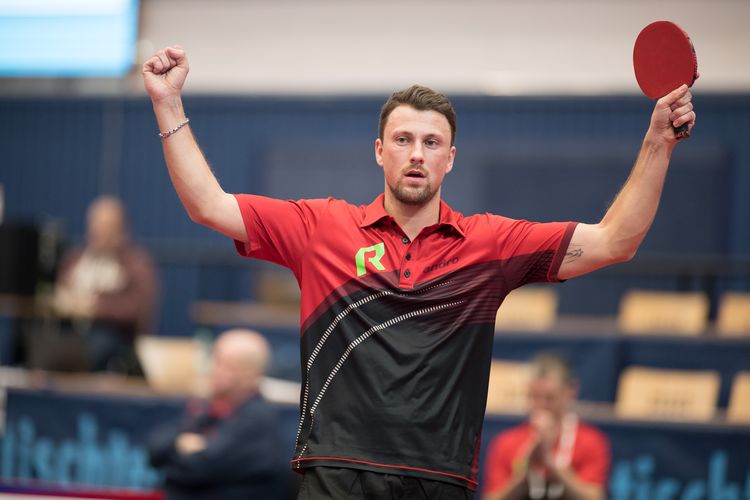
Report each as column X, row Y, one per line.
column 396, row 335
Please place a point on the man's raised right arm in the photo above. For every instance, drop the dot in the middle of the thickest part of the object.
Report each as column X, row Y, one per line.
column 204, row 199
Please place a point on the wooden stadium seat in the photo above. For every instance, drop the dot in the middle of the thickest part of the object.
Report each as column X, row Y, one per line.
column 172, row 365
column 277, row 286
column 509, row 381
column 739, row 400
column 667, row 394
column 734, row 314
column 648, row 312
column 533, row 308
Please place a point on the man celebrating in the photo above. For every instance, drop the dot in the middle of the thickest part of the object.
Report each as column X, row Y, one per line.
column 554, row 454
column 399, row 297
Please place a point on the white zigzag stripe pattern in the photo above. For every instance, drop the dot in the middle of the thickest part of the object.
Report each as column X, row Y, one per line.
column 328, row 331
column 319, row 346
column 362, row 338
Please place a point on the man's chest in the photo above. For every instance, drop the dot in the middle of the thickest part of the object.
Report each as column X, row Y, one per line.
column 339, row 255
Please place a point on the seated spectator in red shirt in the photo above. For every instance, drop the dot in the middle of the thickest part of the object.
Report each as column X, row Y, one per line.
column 553, row 454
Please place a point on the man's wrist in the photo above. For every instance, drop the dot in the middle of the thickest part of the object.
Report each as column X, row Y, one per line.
column 655, row 142
column 169, row 108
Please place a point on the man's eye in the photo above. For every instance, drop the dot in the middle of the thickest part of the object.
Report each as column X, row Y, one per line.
column 401, row 140
column 431, row 143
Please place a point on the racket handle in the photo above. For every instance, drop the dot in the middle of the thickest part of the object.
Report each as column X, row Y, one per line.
column 681, row 132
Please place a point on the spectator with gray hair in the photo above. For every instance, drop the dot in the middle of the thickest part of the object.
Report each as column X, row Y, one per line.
column 228, row 446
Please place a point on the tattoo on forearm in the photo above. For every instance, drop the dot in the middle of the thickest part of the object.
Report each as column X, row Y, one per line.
column 574, row 252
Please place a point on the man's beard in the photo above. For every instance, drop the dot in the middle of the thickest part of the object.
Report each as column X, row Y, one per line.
column 411, row 196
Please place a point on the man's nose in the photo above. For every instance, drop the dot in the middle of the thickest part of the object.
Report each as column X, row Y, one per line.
column 417, row 155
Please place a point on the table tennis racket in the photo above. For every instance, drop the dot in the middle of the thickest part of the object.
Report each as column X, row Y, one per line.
column 664, row 59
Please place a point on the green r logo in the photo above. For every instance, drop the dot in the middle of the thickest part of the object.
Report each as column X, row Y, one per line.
column 378, row 250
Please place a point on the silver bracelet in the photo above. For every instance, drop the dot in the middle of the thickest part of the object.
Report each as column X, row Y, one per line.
column 169, row 132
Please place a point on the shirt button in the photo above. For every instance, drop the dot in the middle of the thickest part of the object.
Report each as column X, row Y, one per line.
column 405, row 240
column 408, row 256
column 407, row 273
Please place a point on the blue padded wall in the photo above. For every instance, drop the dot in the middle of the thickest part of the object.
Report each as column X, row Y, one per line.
column 542, row 158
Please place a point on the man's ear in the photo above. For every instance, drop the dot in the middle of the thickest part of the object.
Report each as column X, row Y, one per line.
column 379, row 151
column 450, row 162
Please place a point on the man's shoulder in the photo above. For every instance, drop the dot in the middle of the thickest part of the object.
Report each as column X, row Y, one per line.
column 330, row 203
column 482, row 225
column 133, row 253
column 590, row 433
column 483, row 218
column 336, row 209
column 259, row 406
column 136, row 249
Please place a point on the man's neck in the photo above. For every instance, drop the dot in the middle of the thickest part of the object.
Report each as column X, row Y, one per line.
column 228, row 403
column 413, row 218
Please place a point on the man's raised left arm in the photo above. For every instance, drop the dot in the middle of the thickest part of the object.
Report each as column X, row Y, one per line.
column 618, row 235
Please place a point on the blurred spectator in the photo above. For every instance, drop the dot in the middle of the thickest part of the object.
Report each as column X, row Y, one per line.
column 553, row 454
column 108, row 289
column 228, row 446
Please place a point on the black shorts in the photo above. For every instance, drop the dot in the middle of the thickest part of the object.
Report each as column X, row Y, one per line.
column 334, row 483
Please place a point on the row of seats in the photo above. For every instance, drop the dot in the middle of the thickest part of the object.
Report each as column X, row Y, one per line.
column 649, row 393
column 640, row 312
column 176, row 366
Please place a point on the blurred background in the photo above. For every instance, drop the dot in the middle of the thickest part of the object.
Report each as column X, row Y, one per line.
column 284, row 99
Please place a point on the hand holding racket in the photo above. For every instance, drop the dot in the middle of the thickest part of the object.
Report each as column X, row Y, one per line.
column 664, row 60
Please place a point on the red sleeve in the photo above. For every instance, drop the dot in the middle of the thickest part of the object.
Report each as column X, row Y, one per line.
column 592, row 457
column 278, row 230
column 531, row 251
column 498, row 465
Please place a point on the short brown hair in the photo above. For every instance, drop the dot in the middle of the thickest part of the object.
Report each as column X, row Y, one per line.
column 422, row 99
column 548, row 363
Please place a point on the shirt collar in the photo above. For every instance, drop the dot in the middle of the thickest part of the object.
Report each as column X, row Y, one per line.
column 375, row 212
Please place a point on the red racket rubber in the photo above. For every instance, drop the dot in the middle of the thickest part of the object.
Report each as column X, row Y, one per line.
column 664, row 59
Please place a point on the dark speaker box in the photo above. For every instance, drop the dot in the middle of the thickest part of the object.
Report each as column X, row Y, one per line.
column 19, row 258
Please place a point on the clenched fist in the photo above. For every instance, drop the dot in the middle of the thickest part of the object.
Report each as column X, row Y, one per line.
column 164, row 74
